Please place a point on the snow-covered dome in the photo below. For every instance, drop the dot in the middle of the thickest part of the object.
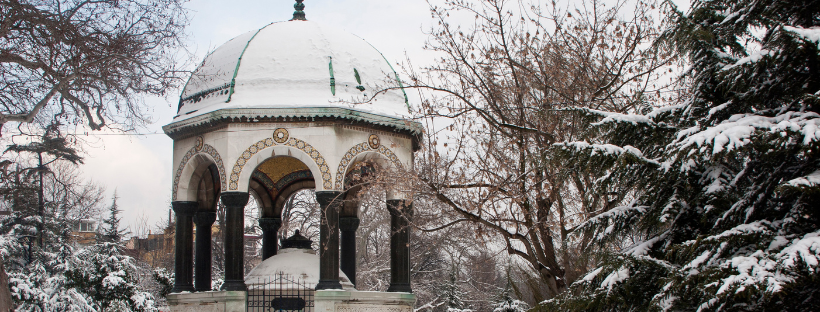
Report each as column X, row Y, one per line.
column 293, row 65
column 302, row 264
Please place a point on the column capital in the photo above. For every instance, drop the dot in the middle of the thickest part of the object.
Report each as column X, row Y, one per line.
column 326, row 198
column 185, row 208
column 348, row 223
column 235, row 199
column 270, row 233
column 400, row 207
column 270, row 224
column 204, row 218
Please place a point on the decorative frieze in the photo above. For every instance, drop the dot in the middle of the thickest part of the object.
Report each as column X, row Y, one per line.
column 281, row 135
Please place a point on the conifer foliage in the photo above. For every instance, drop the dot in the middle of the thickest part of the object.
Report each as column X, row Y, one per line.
column 62, row 276
column 452, row 294
column 112, row 232
column 109, row 278
column 506, row 303
column 49, row 268
column 725, row 214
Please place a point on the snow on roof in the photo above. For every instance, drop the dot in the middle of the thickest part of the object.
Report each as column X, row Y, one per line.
column 301, row 264
column 289, row 65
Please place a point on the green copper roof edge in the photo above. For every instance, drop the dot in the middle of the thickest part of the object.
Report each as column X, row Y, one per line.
column 401, row 85
column 332, row 78
column 192, row 76
column 239, row 61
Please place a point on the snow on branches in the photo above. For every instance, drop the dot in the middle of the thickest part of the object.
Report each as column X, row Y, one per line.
column 724, row 216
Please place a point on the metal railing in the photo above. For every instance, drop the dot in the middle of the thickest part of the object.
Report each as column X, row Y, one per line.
column 281, row 292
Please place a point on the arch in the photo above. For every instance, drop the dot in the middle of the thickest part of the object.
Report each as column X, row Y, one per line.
column 308, row 155
column 207, row 193
column 263, row 198
column 200, row 150
column 277, row 175
column 355, row 152
column 284, row 194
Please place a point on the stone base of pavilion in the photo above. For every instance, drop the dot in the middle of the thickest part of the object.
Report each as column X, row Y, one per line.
column 208, row 301
column 366, row 301
column 325, row 301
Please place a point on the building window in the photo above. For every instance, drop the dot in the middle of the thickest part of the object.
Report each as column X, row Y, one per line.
column 86, row 226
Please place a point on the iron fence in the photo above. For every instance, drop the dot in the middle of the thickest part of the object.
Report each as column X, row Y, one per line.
column 281, row 292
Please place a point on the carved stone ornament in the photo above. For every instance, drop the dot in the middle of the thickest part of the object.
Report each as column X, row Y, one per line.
column 280, row 135
column 199, row 143
column 374, row 141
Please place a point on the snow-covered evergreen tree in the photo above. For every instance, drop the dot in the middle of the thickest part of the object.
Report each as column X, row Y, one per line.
column 452, row 294
column 725, row 214
column 506, row 303
column 59, row 275
column 165, row 280
column 112, row 232
column 37, row 275
column 110, row 279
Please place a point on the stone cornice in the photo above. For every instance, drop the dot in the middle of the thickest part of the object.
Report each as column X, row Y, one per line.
column 221, row 118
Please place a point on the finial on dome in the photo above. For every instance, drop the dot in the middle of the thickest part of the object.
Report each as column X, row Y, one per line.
column 299, row 14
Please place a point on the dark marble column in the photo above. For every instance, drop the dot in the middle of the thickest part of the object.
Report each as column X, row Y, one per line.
column 203, row 220
column 270, row 243
column 401, row 211
column 184, row 246
column 234, row 240
column 348, row 226
column 329, row 202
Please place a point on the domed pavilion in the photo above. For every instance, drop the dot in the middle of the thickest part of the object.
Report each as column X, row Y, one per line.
column 272, row 112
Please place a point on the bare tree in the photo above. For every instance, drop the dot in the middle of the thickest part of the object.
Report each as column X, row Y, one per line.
column 435, row 252
column 77, row 61
column 503, row 87
column 301, row 212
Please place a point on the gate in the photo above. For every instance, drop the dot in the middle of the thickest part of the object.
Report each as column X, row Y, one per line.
column 282, row 292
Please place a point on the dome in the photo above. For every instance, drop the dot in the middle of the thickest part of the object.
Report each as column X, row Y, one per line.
column 293, row 66
column 299, row 263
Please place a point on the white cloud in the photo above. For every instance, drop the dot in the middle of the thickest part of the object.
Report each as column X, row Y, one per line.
column 139, row 168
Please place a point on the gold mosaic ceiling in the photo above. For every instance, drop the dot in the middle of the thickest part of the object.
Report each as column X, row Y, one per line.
column 278, row 167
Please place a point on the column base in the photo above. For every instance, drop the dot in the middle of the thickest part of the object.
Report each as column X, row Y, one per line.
column 183, row 288
column 400, row 288
column 233, row 285
column 328, row 284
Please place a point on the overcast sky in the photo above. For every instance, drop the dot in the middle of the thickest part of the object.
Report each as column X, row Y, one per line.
column 139, row 167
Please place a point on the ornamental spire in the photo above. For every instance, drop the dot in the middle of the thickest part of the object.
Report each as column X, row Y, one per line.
column 299, row 15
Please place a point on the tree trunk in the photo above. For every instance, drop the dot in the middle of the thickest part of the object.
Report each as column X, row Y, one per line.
column 5, row 293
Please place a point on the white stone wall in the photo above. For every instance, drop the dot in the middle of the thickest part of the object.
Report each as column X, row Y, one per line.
column 323, row 147
column 363, row 301
column 208, row 301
